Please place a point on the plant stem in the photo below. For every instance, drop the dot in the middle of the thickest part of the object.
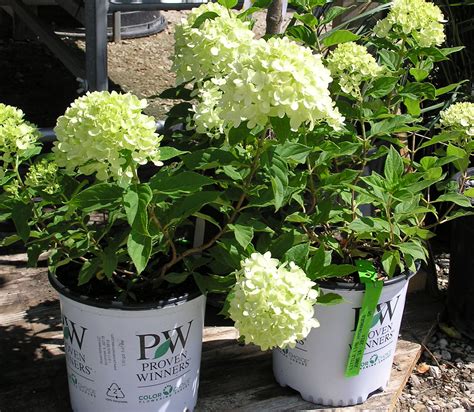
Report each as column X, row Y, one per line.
column 238, row 207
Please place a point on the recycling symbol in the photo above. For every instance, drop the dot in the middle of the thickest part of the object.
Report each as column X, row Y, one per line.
column 167, row 390
column 114, row 391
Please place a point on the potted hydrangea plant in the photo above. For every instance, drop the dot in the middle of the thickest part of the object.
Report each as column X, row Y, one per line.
column 333, row 218
column 122, row 243
column 272, row 159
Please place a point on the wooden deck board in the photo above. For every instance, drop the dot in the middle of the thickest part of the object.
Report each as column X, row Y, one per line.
column 233, row 377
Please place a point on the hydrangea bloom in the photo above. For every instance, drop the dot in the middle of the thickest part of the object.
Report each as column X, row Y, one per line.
column 352, row 64
column 16, row 134
column 43, row 175
column 210, row 49
column 459, row 116
column 207, row 115
column 107, row 134
column 419, row 19
column 279, row 78
column 272, row 304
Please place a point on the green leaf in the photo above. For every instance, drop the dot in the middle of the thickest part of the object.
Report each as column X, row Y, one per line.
column 416, row 90
column 449, row 88
column 449, row 50
column 176, row 278
column 21, row 214
column 136, row 200
column 463, row 157
column 243, row 234
column 214, row 283
column 162, row 349
column 191, row 204
column 207, row 218
column 298, row 217
column 184, row 182
column 297, row 254
column 332, row 13
column 232, row 172
column 139, row 249
column 419, row 74
column 281, row 127
column 293, row 151
column 277, row 169
column 440, row 138
column 389, row 58
column 88, row 271
column 469, row 192
column 9, row 240
column 316, row 263
column 413, row 106
column 209, row 15
column 393, row 168
column 96, row 197
column 340, row 36
column 109, row 261
column 302, row 33
column 208, row 158
column 329, row 299
column 228, row 3
column 390, row 262
column 282, row 244
column 414, row 250
column 33, row 252
column 167, row 152
column 335, row 270
column 456, row 198
column 382, row 86
column 307, row 19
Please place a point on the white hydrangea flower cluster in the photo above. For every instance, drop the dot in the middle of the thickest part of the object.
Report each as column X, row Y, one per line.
column 16, row 135
column 272, row 304
column 107, row 134
column 419, row 19
column 279, row 78
column 459, row 116
column 207, row 112
column 352, row 64
column 43, row 175
column 210, row 49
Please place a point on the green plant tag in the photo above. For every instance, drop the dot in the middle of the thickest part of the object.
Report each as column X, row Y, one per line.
column 373, row 289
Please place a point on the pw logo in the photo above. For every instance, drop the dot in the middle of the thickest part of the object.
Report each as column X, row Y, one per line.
column 154, row 346
column 385, row 310
column 73, row 332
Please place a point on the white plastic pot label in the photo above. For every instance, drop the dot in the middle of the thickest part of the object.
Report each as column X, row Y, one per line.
column 316, row 366
column 122, row 360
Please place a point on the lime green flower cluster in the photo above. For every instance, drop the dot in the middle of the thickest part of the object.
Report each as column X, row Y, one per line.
column 43, row 175
column 459, row 116
column 351, row 64
column 107, row 134
column 16, row 135
column 272, row 304
column 210, row 49
column 279, row 78
column 420, row 19
column 207, row 112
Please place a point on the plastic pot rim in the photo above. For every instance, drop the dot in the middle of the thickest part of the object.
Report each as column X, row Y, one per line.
column 115, row 304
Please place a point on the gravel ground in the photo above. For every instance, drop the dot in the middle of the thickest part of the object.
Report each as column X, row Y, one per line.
column 443, row 378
